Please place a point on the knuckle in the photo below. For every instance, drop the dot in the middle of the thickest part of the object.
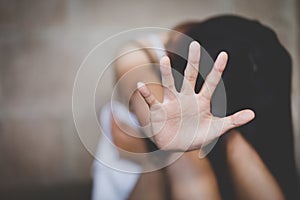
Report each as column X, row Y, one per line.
column 210, row 82
column 193, row 62
column 205, row 96
column 150, row 99
column 190, row 77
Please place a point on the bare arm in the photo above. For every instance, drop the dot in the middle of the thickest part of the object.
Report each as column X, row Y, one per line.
column 131, row 67
column 174, row 120
column 183, row 121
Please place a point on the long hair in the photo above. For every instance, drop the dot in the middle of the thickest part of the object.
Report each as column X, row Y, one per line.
column 258, row 76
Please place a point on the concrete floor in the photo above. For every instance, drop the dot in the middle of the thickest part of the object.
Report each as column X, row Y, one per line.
column 42, row 46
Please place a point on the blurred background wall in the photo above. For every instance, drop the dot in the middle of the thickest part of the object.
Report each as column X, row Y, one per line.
column 42, row 44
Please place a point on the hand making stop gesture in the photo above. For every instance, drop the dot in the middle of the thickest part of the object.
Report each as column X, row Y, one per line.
column 183, row 121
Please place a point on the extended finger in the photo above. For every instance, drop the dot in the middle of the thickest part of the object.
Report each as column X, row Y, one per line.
column 214, row 76
column 191, row 70
column 238, row 119
column 146, row 94
column 219, row 126
column 167, row 77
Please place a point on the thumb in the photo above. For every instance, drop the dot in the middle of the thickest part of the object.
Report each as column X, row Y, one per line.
column 237, row 119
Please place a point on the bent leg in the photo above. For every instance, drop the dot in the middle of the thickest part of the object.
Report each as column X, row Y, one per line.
column 193, row 178
column 251, row 178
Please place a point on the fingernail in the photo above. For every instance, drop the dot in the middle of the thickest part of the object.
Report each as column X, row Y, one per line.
column 164, row 69
column 222, row 63
column 164, row 59
column 195, row 44
column 140, row 84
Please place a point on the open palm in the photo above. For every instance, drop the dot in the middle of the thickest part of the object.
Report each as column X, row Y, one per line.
column 183, row 121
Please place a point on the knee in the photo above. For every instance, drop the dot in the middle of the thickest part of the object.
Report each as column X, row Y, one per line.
column 236, row 146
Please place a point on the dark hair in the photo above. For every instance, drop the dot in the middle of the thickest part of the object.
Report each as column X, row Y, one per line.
column 258, row 76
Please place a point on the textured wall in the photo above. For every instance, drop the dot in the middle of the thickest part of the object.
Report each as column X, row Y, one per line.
column 42, row 44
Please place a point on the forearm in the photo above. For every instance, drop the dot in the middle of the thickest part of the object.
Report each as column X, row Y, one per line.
column 127, row 86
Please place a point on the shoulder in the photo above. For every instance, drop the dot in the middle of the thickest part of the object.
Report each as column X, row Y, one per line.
column 129, row 56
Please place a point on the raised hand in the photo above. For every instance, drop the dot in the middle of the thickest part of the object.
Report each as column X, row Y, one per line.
column 183, row 121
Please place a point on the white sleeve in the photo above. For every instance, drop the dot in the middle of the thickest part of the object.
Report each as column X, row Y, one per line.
column 110, row 183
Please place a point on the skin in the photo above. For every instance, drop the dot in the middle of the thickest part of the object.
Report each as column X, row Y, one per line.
column 152, row 99
column 251, row 178
column 193, row 178
column 160, row 111
column 185, row 115
column 198, row 180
